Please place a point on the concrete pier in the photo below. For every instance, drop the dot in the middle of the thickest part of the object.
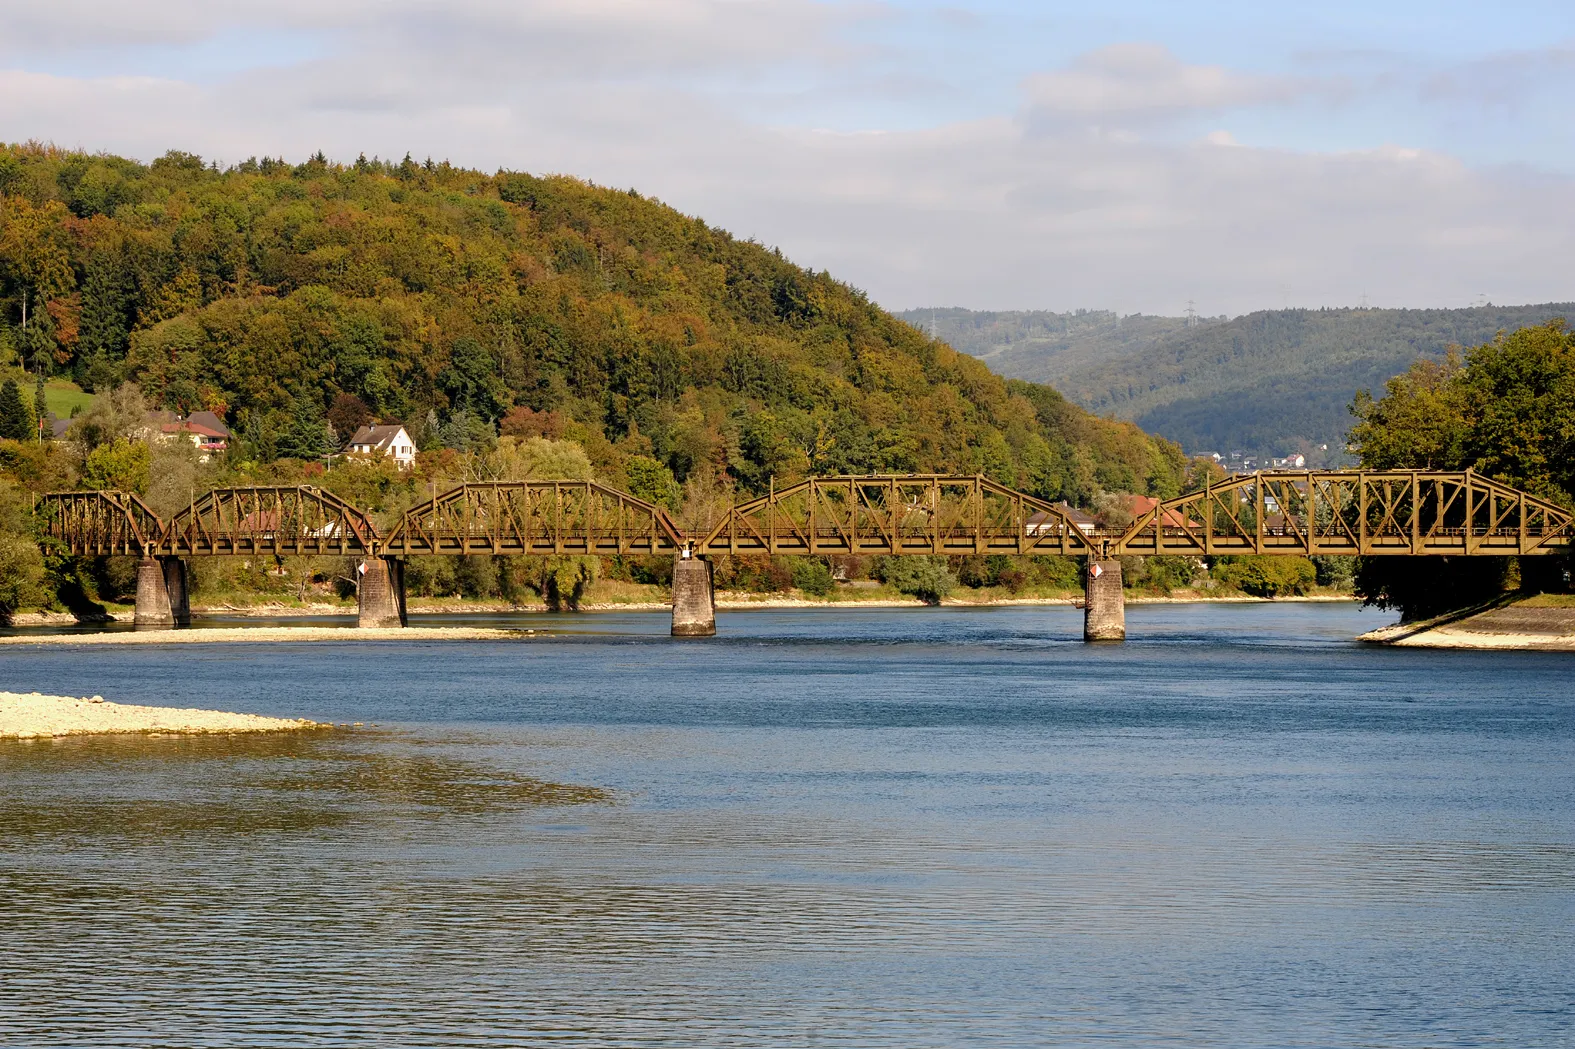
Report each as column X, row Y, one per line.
column 163, row 600
column 1104, row 607
column 694, row 598
column 380, row 597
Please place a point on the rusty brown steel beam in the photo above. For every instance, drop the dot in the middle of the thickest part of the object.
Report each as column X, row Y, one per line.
column 269, row 520
column 1371, row 513
column 534, row 517
column 99, row 523
column 896, row 514
column 1367, row 513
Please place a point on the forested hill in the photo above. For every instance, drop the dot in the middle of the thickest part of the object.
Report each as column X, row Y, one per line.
column 278, row 295
column 1267, row 383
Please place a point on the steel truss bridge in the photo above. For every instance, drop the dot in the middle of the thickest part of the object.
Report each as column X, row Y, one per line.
column 1368, row 513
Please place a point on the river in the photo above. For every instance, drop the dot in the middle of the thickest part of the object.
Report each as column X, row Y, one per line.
column 823, row 828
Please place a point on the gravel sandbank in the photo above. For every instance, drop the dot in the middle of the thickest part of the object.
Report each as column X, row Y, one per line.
column 1516, row 626
column 245, row 635
column 32, row 716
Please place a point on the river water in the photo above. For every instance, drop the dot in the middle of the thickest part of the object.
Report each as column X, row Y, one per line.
column 828, row 828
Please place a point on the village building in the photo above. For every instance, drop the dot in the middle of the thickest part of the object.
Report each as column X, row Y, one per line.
column 1042, row 523
column 390, row 440
column 205, row 430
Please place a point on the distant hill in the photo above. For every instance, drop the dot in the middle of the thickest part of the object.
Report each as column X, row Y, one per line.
column 1266, row 383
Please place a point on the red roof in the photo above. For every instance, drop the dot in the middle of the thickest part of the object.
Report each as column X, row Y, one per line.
column 1138, row 505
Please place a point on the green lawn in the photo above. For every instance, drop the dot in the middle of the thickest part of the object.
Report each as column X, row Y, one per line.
column 61, row 396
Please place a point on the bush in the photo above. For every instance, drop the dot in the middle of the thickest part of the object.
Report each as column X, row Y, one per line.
column 1335, row 571
column 21, row 566
column 813, row 577
column 1159, row 574
column 925, row 578
column 1267, row 576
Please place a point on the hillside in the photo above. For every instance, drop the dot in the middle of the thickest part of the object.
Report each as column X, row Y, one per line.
column 281, row 295
column 1264, row 383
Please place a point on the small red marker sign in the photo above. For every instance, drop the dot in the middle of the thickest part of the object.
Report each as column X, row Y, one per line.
column 1095, row 571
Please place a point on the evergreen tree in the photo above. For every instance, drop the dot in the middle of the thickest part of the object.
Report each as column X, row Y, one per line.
column 307, row 435
column 16, row 415
column 108, row 298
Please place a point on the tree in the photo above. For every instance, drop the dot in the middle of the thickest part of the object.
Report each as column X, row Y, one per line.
column 1267, row 576
column 1508, row 411
column 306, row 435
column 926, row 578
column 652, row 481
column 813, row 577
column 21, row 565
column 16, row 414
column 348, row 414
column 121, row 465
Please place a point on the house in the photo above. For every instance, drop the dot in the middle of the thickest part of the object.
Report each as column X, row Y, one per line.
column 390, row 440
column 205, row 430
column 1042, row 523
column 1138, row 505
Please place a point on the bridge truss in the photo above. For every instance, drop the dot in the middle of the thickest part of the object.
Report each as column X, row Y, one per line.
column 272, row 520
column 1368, row 513
column 534, row 517
column 896, row 514
column 1402, row 512
column 99, row 523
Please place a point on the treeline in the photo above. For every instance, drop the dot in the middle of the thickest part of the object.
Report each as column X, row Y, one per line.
column 1505, row 409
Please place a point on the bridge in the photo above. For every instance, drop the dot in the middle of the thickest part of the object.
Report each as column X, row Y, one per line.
column 1351, row 512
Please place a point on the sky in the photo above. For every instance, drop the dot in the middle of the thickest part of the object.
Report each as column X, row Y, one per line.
column 1123, row 155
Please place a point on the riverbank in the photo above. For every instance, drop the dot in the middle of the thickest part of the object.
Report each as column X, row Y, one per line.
column 36, row 716
column 1544, row 623
column 251, row 635
column 729, row 601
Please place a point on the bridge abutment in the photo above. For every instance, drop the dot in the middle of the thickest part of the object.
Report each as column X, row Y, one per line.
column 1104, row 605
column 694, row 598
column 163, row 600
column 380, row 597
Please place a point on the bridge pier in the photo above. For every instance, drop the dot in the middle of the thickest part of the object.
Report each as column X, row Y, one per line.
column 1104, row 605
column 163, row 600
column 380, row 596
column 694, row 597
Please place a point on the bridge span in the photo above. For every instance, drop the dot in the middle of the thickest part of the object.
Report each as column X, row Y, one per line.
column 1351, row 512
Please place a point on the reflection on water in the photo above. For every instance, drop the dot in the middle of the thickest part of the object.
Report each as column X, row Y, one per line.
column 867, row 829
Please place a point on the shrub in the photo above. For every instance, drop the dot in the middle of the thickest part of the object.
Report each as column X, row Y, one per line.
column 813, row 577
column 1264, row 576
column 925, row 578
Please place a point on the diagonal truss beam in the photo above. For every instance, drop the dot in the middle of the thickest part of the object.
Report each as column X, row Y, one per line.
column 1370, row 513
column 896, row 514
column 99, row 523
column 534, row 517
column 269, row 520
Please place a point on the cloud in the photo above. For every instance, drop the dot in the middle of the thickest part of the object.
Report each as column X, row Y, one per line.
column 1011, row 210
column 1137, row 84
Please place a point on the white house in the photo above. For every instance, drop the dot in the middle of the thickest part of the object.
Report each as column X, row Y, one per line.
column 391, row 440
